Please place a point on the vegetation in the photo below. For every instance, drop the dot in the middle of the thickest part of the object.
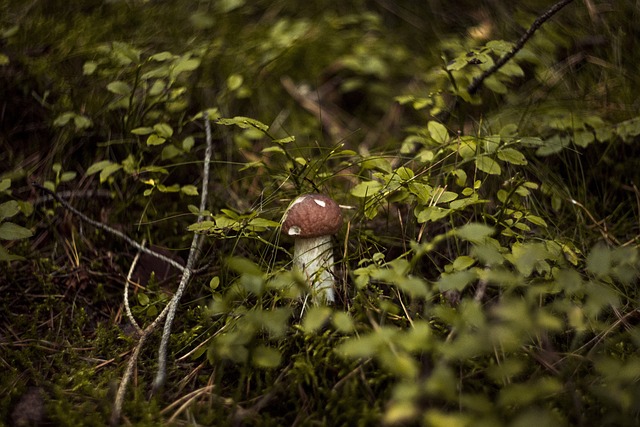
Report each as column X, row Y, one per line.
column 488, row 266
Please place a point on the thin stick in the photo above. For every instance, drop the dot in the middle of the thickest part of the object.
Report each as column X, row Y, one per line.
column 127, row 308
column 161, row 374
column 133, row 359
column 117, row 406
column 477, row 82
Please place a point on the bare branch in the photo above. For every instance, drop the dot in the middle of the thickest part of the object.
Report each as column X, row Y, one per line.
column 127, row 308
column 477, row 82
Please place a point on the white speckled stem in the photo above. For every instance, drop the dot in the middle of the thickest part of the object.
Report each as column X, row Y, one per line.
column 314, row 257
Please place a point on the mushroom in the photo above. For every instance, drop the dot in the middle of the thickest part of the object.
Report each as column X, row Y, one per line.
column 311, row 219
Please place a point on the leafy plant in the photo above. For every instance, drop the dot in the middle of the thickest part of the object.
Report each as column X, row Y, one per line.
column 9, row 230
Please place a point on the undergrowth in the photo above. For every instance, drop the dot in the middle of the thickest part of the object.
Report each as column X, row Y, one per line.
column 487, row 268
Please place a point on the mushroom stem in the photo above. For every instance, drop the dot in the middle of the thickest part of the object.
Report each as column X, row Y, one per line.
column 314, row 257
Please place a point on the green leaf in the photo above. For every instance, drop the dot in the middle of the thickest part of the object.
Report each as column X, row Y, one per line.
column 274, row 321
column 119, row 88
column 413, row 286
column 124, row 53
column 366, row 189
column 157, row 169
column 184, row 64
column 108, row 171
column 154, row 139
column 552, row 145
column 362, row 346
column 244, row 266
column 438, row 132
column 163, row 130
column 531, row 141
column 67, row 176
column 474, row 232
column 463, row 262
column 160, row 72
column 456, row 281
column 466, row 147
column 523, row 394
column 9, row 209
column 500, row 47
column 379, row 163
column 487, row 165
column 97, row 167
column 11, row 231
column 438, row 418
column 234, row 82
column 143, row 299
column 82, row 122
column 495, row 85
column 202, row 226
column 142, row 131
column 226, row 6
column 157, row 88
column 315, row 318
column 89, row 67
column 243, row 122
column 442, row 196
column 286, row 140
column 583, row 138
column 512, row 156
column 599, row 260
column 491, row 143
column 188, row 143
column 189, row 190
column 5, row 184
column 509, row 130
column 64, row 118
column 527, row 255
column 168, row 188
column 512, row 69
column 461, row 177
column 422, row 191
column 5, row 255
column 534, row 219
column 266, row 357
column 169, row 152
column 25, row 207
column 343, row 322
column 162, row 56
column 463, row 203
column 264, row 223
column 457, row 64
column 432, row 213
column 404, row 173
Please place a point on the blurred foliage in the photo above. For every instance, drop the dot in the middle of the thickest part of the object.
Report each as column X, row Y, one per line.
column 488, row 271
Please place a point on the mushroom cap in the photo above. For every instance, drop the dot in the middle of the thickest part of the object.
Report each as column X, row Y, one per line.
column 312, row 215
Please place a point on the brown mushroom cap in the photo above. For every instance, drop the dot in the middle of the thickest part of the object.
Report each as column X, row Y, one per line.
column 312, row 215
